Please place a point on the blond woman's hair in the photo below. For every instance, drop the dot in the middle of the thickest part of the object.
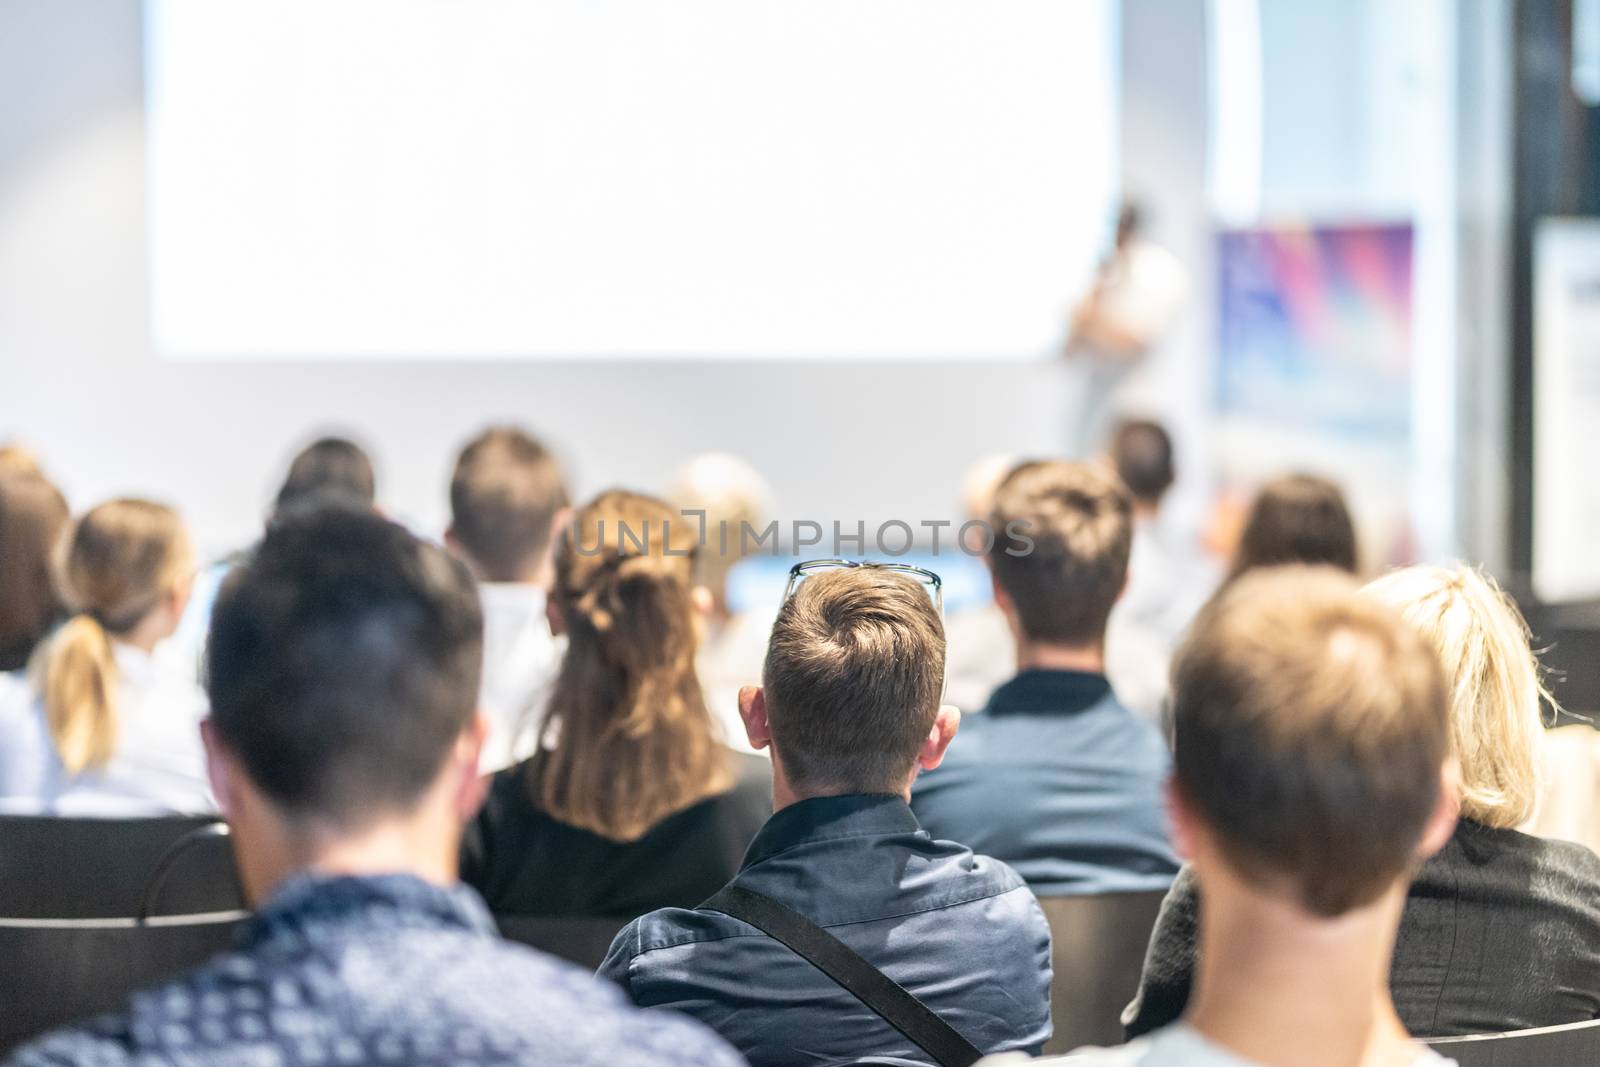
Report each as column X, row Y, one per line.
column 636, row 742
column 119, row 561
column 1497, row 690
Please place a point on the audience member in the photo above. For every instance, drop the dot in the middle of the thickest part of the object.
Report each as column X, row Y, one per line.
column 507, row 500
column 329, row 467
column 1501, row 930
column 33, row 514
column 1299, row 518
column 343, row 670
column 1312, row 772
column 730, row 497
column 1168, row 580
column 1056, row 777
column 850, row 708
column 981, row 651
column 637, row 805
column 104, row 728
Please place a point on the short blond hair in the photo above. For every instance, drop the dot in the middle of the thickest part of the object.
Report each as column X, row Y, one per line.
column 1495, row 683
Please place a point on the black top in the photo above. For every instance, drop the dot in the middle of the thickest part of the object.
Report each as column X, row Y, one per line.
column 525, row 862
column 1501, row 931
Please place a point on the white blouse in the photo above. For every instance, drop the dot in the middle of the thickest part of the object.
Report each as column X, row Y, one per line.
column 159, row 764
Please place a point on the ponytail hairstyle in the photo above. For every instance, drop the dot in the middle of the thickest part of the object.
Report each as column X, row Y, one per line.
column 636, row 742
column 119, row 562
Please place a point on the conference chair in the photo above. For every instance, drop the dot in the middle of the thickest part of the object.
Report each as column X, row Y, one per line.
column 60, row 970
column 87, row 868
column 1097, row 952
column 580, row 939
column 1572, row 1045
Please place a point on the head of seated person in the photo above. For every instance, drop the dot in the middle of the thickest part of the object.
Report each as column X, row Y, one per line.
column 1497, row 694
column 1063, row 532
column 126, row 571
column 343, row 668
column 730, row 497
column 507, row 500
column 849, row 701
column 634, row 742
column 328, row 469
column 1299, row 518
column 1141, row 454
column 33, row 514
column 1312, row 776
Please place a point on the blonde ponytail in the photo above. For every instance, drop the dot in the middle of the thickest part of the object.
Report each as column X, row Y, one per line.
column 119, row 562
column 80, row 694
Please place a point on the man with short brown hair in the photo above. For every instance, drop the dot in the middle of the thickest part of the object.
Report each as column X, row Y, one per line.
column 1312, row 776
column 850, row 709
column 507, row 502
column 1056, row 777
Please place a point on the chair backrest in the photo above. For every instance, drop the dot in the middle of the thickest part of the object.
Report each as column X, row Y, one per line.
column 76, row 868
column 580, row 939
column 60, row 970
column 1097, row 951
column 1572, row 1045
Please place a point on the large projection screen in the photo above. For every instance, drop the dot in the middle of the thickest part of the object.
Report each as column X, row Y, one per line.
column 625, row 178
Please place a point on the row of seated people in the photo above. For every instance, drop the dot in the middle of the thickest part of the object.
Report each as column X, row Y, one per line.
column 629, row 803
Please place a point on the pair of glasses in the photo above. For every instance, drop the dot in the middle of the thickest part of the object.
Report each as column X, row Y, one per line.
column 930, row 582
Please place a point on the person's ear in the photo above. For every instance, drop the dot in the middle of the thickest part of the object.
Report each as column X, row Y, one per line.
column 945, row 725
column 553, row 616
column 221, row 771
column 471, row 787
column 1442, row 823
column 452, row 542
column 753, row 710
column 703, row 601
column 1002, row 599
column 1181, row 823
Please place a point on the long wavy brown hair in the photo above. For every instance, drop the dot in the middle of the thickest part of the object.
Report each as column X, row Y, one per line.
column 635, row 742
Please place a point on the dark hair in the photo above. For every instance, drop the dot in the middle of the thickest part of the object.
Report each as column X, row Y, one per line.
column 1297, row 519
column 33, row 516
column 1311, row 725
column 1141, row 450
column 504, row 497
column 1080, row 525
column 853, row 677
column 328, row 468
column 343, row 663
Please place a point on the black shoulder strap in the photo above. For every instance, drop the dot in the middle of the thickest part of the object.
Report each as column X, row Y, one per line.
column 859, row 978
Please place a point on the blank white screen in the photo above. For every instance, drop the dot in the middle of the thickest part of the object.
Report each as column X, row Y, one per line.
column 638, row 178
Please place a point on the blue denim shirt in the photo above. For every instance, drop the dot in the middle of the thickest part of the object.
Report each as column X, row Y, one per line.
column 384, row 970
column 961, row 932
column 1058, row 779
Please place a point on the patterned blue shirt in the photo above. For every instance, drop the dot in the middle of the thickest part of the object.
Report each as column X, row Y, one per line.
column 961, row 932
column 380, row 970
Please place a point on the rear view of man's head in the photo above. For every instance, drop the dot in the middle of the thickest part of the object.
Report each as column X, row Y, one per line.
column 1311, row 733
column 505, row 499
column 1063, row 534
column 330, row 468
column 1141, row 452
column 342, row 668
column 852, row 682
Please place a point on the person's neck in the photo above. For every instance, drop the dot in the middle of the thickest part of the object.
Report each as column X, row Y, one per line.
column 1147, row 512
column 1282, row 988
column 420, row 847
column 1043, row 656
column 785, row 795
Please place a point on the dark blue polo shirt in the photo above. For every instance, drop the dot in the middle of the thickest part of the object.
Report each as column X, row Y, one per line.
column 1058, row 779
column 961, row 932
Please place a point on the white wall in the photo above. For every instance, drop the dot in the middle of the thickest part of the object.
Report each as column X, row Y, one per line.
column 78, row 381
